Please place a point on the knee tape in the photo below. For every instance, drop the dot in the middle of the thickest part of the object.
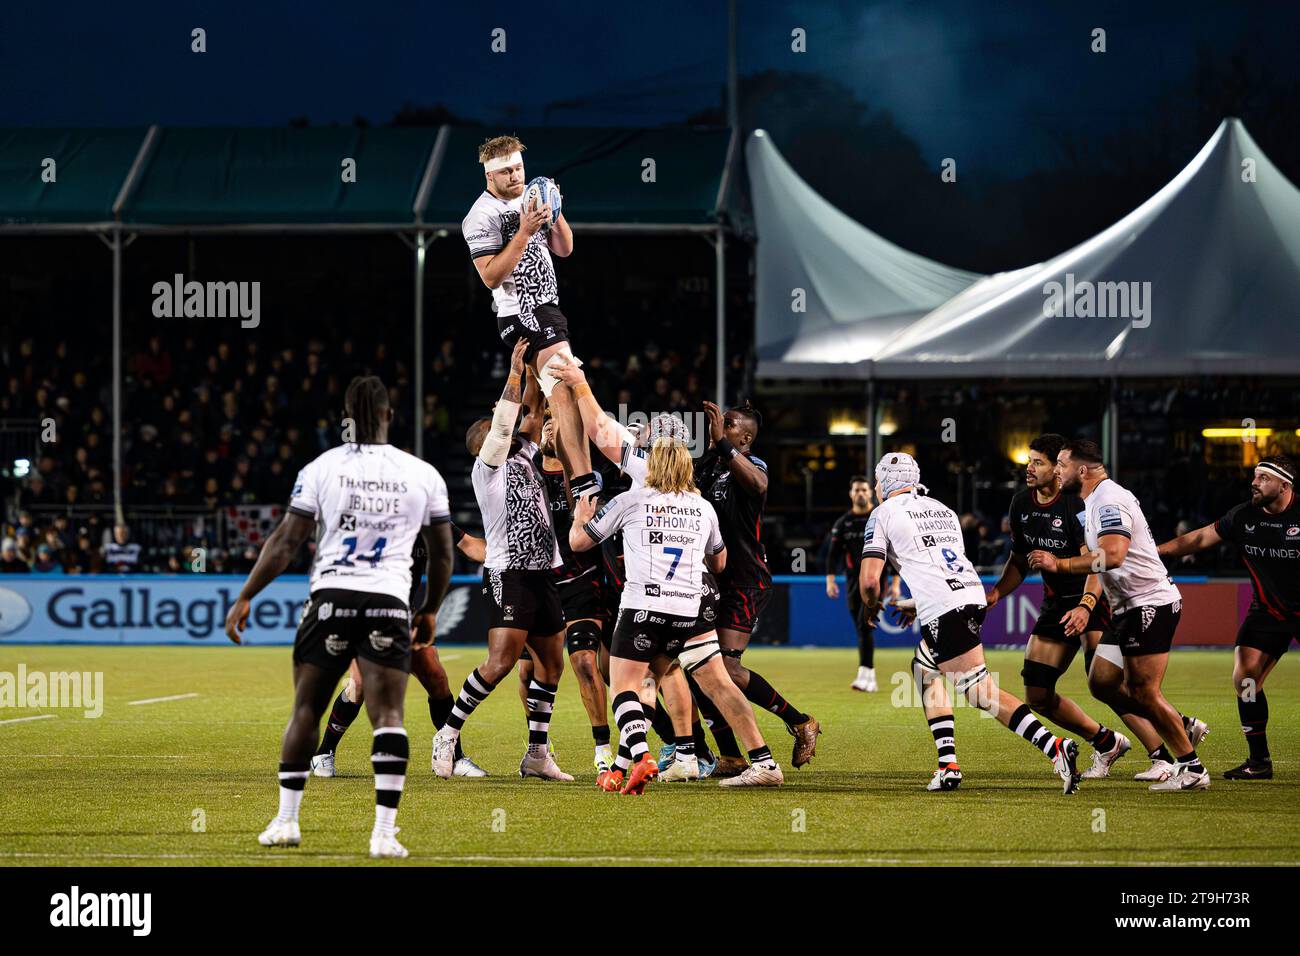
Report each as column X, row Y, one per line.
column 582, row 636
column 1038, row 674
column 733, row 652
column 695, row 656
column 970, row 680
column 545, row 378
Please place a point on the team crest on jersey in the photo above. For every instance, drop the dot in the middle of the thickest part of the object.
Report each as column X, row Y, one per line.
column 325, row 610
column 641, row 643
column 973, row 625
column 1293, row 532
column 1148, row 615
column 335, row 645
column 508, row 612
column 709, row 614
column 1056, row 522
column 380, row 641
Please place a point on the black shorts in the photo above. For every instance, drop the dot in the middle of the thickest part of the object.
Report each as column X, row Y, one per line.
column 1266, row 633
column 1050, row 625
column 954, row 632
column 339, row 624
column 1146, row 630
column 527, row 600
column 709, row 604
column 552, row 328
column 583, row 597
column 739, row 608
column 641, row 635
column 863, row 619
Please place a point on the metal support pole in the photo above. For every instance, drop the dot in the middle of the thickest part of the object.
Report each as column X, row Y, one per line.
column 420, row 245
column 119, row 517
column 720, row 280
column 1112, row 437
column 872, row 428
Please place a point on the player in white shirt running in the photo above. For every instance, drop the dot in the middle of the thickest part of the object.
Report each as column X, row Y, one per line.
column 922, row 538
column 1145, row 604
column 524, row 603
column 670, row 535
column 511, row 246
column 370, row 501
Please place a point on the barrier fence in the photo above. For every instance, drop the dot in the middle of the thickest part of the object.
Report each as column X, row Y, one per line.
column 191, row 610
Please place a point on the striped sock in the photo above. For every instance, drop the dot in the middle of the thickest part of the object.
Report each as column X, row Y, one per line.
column 388, row 755
column 761, row 757
column 541, row 704
column 943, row 729
column 685, row 746
column 293, row 778
column 1191, row 762
column 472, row 693
column 1026, row 725
column 630, row 717
column 1103, row 740
column 623, row 759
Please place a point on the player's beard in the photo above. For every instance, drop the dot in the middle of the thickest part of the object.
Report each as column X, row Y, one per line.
column 1261, row 500
column 1072, row 485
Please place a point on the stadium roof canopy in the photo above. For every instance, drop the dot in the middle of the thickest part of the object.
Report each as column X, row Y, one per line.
column 858, row 289
column 233, row 180
column 1202, row 278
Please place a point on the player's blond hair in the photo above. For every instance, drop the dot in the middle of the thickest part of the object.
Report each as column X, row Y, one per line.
column 499, row 146
column 669, row 467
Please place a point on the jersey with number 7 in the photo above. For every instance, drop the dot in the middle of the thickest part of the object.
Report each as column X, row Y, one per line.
column 665, row 540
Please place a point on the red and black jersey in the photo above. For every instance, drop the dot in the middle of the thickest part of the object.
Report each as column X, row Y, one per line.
column 740, row 513
column 847, row 536
column 1056, row 526
column 582, row 564
column 1270, row 547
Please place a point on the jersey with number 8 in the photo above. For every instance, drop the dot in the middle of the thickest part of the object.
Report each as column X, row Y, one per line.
column 665, row 540
column 370, row 502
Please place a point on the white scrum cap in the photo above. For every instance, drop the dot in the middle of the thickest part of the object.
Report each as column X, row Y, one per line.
column 898, row 470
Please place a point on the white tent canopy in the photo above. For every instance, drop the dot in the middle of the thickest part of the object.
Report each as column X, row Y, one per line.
column 1212, row 261
column 858, row 290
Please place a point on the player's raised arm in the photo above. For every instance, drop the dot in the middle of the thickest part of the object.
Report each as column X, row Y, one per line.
column 274, row 557
column 607, row 435
column 749, row 475
column 496, row 444
column 530, row 428
column 1190, row 543
column 560, row 238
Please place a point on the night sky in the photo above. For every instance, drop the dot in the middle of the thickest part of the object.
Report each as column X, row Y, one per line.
column 993, row 82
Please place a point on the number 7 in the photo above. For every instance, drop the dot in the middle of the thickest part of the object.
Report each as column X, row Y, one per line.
column 677, row 556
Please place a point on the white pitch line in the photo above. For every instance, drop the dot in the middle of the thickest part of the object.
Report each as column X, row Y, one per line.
column 19, row 720
column 159, row 700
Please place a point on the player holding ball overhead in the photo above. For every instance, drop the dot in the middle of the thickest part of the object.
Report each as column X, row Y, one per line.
column 512, row 230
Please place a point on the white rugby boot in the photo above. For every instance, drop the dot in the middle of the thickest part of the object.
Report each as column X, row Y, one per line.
column 1159, row 770
column 281, row 833
column 542, row 765
column 682, row 768
column 444, row 753
column 945, row 778
column 465, row 767
column 1183, row 778
column 1102, row 762
column 385, row 846
column 755, row 776
column 322, row 765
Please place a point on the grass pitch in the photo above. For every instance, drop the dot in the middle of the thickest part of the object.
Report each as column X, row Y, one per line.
column 192, row 781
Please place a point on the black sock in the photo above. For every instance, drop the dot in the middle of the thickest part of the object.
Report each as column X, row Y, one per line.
column 701, row 742
column 1254, row 724
column 341, row 716
column 866, row 646
column 439, row 711
column 580, row 485
column 759, row 691
column 713, row 719
column 1162, row 753
column 686, row 746
column 600, row 735
column 662, row 723
column 1193, row 762
column 761, row 755
column 1103, row 740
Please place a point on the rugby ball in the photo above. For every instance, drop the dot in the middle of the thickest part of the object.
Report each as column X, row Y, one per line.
column 541, row 191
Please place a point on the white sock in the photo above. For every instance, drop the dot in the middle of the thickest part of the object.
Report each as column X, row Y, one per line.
column 385, row 820
column 863, row 673
column 290, row 801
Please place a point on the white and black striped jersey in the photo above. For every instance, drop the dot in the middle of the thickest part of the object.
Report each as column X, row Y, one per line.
column 665, row 540
column 1142, row 578
column 516, row 513
column 488, row 228
column 922, row 538
column 370, row 502
column 634, row 462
